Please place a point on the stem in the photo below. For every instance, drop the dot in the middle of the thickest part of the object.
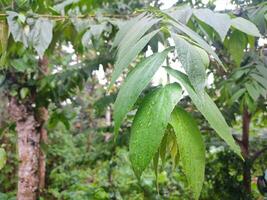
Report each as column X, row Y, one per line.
column 245, row 143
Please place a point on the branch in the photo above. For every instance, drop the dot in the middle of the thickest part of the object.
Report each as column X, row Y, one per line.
column 258, row 153
column 60, row 17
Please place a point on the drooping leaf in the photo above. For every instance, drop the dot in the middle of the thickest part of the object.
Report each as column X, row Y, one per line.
column 194, row 36
column 262, row 70
column 260, row 79
column 191, row 61
column 208, row 109
column 17, row 30
column 41, row 35
column 191, row 148
column 245, row 26
column 2, row 158
column 252, row 91
column 123, row 61
column 236, row 46
column 150, row 123
column 134, row 84
column 218, row 21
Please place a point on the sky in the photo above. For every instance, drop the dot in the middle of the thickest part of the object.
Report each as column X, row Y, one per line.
column 220, row 4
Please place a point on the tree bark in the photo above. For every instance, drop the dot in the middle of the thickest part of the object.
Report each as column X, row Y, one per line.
column 245, row 143
column 28, row 149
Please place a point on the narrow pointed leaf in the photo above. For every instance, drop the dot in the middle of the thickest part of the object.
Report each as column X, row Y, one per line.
column 208, row 109
column 124, row 28
column 123, row 61
column 134, row 84
column 191, row 148
column 191, row 61
column 135, row 32
column 150, row 123
column 245, row 26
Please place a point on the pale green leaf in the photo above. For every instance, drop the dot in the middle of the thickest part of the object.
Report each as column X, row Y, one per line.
column 208, row 109
column 194, row 36
column 191, row 61
column 135, row 32
column 191, row 148
column 41, row 35
column 123, row 61
column 245, row 26
column 16, row 28
column 134, row 84
column 150, row 123
column 124, row 28
column 2, row 158
column 181, row 13
column 218, row 21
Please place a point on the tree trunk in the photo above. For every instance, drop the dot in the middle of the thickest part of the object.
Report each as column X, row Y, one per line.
column 245, row 143
column 28, row 149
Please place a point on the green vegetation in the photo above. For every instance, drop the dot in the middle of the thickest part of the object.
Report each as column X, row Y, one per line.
column 83, row 118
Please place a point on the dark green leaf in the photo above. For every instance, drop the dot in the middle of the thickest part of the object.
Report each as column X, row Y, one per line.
column 236, row 46
column 150, row 123
column 191, row 148
column 134, row 84
column 208, row 109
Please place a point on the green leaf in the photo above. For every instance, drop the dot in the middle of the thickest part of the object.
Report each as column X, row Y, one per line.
column 260, row 79
column 182, row 13
column 135, row 32
column 252, row 91
column 41, row 35
column 236, row 46
column 262, row 70
column 24, row 92
column 208, row 109
column 95, row 31
column 123, row 61
column 204, row 56
column 17, row 30
column 191, row 61
column 134, row 84
column 245, row 26
column 202, row 43
column 2, row 158
column 150, row 123
column 191, row 148
column 237, row 95
column 219, row 22
column 124, row 28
